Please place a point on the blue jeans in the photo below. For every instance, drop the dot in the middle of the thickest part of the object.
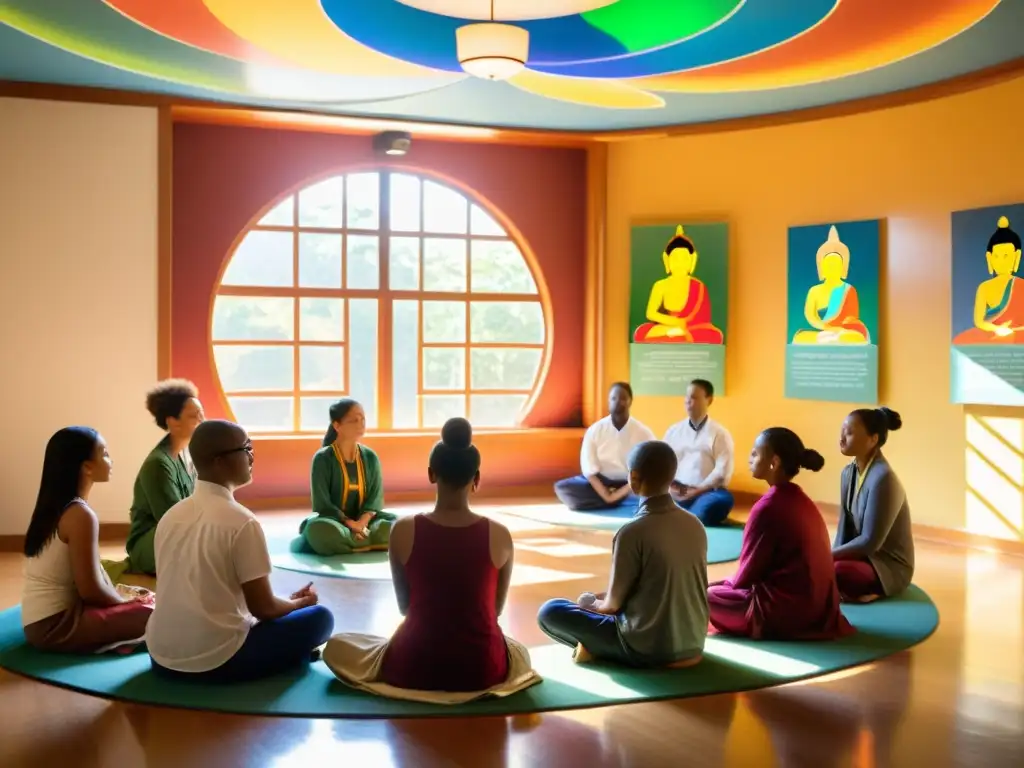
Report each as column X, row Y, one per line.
column 272, row 647
column 579, row 495
column 710, row 508
column 566, row 623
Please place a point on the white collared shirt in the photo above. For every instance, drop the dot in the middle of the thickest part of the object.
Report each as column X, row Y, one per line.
column 207, row 546
column 704, row 453
column 606, row 449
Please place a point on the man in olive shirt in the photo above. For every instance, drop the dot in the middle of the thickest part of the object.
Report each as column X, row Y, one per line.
column 655, row 612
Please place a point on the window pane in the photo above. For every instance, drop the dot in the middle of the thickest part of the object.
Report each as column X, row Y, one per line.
column 437, row 409
column 321, row 369
column 262, row 258
column 253, row 318
column 320, row 261
column 503, row 368
column 362, row 261
column 264, row 414
column 499, row 267
column 518, row 322
column 444, row 210
column 281, row 215
column 482, row 223
column 495, row 410
column 404, row 264
column 313, row 412
column 444, row 265
column 444, row 322
column 254, row 369
column 363, row 201
column 405, row 203
column 320, row 205
column 322, row 319
column 362, row 360
column 444, row 368
column 405, row 328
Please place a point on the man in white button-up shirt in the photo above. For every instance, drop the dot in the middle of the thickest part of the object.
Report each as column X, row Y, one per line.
column 705, row 452
column 603, row 483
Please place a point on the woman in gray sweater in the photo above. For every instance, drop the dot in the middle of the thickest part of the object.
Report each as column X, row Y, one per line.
column 874, row 546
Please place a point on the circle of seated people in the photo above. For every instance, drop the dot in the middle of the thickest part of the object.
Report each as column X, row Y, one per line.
column 793, row 609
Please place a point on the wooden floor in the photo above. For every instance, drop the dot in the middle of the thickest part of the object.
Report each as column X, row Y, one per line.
column 956, row 700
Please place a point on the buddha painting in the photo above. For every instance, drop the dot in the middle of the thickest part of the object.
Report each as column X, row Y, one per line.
column 999, row 301
column 679, row 309
column 832, row 308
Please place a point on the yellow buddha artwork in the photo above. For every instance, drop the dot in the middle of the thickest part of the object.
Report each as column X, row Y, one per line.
column 999, row 301
column 678, row 309
column 832, row 308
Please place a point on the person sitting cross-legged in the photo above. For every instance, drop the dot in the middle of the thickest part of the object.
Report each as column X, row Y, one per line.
column 655, row 612
column 217, row 618
column 603, row 482
column 704, row 449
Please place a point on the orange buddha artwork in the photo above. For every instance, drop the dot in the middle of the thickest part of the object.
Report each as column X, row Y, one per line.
column 999, row 301
column 832, row 308
column 679, row 309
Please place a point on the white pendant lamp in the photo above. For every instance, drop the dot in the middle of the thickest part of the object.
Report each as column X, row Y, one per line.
column 506, row 10
column 492, row 51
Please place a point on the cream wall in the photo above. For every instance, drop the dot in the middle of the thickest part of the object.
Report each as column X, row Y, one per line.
column 912, row 166
column 78, row 290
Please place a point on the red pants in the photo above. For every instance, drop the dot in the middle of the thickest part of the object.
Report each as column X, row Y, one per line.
column 857, row 579
column 733, row 611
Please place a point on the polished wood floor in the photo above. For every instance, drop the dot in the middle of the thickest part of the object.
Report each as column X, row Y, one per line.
column 956, row 700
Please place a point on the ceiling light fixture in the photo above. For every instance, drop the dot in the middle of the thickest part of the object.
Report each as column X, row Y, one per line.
column 492, row 51
column 392, row 142
column 506, row 10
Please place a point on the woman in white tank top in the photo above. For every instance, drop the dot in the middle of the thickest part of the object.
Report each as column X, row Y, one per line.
column 68, row 602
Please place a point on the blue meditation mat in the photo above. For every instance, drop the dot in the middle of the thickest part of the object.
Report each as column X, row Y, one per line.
column 288, row 552
column 884, row 628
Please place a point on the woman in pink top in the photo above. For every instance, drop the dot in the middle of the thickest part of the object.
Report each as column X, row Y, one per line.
column 785, row 588
column 451, row 571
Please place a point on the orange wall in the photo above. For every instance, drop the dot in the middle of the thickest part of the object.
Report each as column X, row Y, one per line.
column 224, row 176
column 911, row 165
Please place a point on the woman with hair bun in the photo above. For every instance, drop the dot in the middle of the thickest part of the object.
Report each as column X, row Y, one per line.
column 874, row 545
column 785, row 587
column 451, row 570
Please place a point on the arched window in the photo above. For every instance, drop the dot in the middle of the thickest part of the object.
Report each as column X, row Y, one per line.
column 388, row 287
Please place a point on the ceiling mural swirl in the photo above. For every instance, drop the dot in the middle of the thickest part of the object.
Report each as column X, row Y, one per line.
column 618, row 63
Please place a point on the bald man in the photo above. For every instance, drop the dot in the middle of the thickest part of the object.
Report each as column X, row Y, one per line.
column 217, row 617
column 655, row 611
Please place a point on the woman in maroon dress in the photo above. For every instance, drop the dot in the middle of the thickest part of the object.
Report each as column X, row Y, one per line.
column 451, row 571
column 785, row 588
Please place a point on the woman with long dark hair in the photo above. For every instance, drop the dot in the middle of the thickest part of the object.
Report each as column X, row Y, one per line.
column 346, row 489
column 68, row 602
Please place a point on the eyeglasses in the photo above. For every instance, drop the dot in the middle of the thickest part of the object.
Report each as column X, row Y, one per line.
column 247, row 448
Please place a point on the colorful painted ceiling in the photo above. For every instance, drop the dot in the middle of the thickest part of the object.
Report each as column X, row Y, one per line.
column 633, row 63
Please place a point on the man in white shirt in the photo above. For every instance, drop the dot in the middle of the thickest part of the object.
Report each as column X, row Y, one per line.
column 705, row 452
column 217, row 618
column 604, row 482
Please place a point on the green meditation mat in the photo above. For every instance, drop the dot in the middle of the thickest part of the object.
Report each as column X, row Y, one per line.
column 884, row 628
column 289, row 553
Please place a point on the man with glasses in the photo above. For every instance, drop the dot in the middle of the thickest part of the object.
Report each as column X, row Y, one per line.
column 217, row 617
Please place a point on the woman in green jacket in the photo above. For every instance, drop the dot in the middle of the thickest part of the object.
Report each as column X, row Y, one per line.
column 346, row 489
column 166, row 476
